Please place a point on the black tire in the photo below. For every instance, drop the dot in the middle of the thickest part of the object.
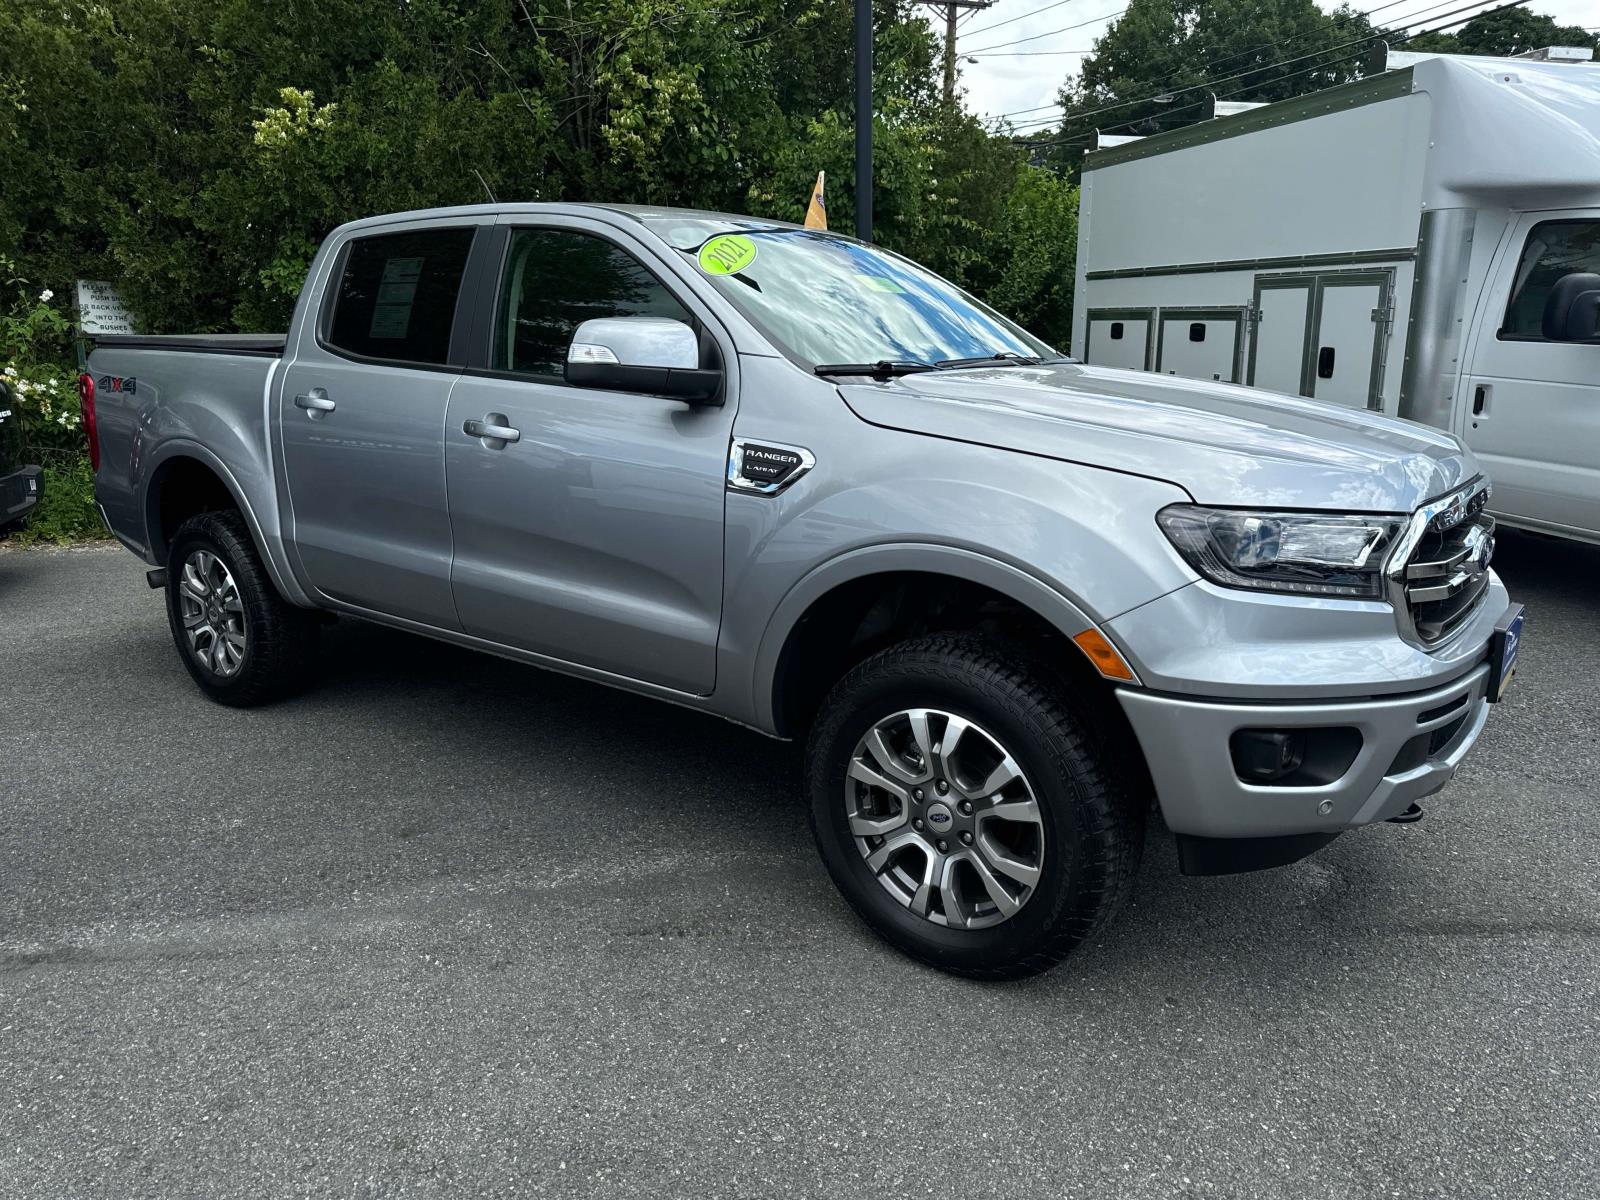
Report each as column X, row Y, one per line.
column 280, row 648
column 1093, row 813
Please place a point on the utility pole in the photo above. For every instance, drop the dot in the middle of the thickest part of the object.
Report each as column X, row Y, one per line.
column 864, row 120
column 950, row 8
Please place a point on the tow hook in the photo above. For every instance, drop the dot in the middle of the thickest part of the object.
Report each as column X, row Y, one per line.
column 1411, row 816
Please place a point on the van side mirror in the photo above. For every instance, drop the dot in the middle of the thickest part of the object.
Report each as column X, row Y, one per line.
column 1572, row 310
column 657, row 356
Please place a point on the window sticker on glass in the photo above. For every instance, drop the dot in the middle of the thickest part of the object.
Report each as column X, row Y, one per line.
column 727, row 254
column 391, row 316
column 881, row 283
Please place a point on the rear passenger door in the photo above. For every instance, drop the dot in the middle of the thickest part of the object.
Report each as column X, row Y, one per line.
column 595, row 537
column 361, row 409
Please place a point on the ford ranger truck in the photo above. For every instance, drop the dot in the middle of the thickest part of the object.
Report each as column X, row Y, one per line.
column 784, row 477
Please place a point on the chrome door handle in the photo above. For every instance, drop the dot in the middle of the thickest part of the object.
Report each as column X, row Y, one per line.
column 492, row 428
column 316, row 402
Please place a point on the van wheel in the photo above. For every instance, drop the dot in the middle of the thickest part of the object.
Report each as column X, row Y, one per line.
column 243, row 643
column 967, row 812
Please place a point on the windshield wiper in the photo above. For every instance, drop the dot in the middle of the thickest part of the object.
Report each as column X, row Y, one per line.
column 1003, row 359
column 883, row 369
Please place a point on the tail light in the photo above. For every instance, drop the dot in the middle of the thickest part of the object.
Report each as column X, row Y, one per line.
column 90, row 430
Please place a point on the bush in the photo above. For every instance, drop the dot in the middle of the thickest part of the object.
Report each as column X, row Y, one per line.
column 44, row 396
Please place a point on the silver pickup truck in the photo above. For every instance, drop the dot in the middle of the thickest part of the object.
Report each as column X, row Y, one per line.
column 796, row 481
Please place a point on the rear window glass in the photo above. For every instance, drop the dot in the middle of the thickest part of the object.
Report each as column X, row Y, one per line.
column 1554, row 249
column 397, row 296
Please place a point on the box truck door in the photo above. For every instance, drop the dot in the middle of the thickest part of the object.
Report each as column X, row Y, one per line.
column 1201, row 343
column 1352, row 322
column 1119, row 337
column 1282, row 329
column 1531, row 410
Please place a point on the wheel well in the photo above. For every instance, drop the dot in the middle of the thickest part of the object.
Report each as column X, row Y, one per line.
column 858, row 618
column 182, row 488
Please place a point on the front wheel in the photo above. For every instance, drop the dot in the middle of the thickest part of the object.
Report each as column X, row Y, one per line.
column 241, row 641
column 968, row 811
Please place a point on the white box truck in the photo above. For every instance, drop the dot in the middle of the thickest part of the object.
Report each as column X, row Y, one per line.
column 1424, row 242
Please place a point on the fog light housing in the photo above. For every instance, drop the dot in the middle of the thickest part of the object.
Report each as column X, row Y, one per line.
column 1267, row 755
column 1314, row 756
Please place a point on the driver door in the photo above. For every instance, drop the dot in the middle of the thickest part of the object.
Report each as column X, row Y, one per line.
column 1531, row 410
column 594, row 537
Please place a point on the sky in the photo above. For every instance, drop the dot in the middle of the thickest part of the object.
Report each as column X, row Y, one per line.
column 1028, row 74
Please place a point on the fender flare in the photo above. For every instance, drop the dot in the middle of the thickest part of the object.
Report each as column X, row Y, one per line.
column 185, row 448
column 1060, row 610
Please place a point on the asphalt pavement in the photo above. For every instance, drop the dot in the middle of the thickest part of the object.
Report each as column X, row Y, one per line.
column 451, row 926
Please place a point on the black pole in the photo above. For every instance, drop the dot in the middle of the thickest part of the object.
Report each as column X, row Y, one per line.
column 864, row 120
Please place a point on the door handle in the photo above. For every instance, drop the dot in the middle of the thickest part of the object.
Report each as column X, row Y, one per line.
column 315, row 402
column 1325, row 363
column 1480, row 400
column 492, row 429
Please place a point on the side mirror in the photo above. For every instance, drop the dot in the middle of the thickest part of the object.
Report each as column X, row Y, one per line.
column 1572, row 310
column 654, row 355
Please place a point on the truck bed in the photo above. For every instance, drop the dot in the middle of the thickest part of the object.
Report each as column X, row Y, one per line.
column 265, row 345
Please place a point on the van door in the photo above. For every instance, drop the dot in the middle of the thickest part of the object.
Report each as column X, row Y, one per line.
column 594, row 535
column 1352, row 324
column 1531, row 407
column 361, row 409
column 1201, row 343
column 1282, row 318
column 1120, row 337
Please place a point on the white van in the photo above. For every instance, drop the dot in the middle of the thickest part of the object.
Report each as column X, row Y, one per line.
column 1424, row 242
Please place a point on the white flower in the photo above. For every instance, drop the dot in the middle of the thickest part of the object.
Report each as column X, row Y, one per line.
column 11, row 372
column 46, row 296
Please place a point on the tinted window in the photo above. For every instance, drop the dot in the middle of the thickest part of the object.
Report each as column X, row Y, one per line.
column 397, row 296
column 555, row 280
column 1554, row 249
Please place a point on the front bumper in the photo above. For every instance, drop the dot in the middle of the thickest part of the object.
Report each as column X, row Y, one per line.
column 1411, row 745
column 19, row 495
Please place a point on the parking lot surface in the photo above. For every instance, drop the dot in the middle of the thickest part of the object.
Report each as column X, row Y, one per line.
column 448, row 925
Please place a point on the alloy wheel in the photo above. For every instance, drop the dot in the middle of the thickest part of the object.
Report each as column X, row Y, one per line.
column 213, row 613
column 945, row 818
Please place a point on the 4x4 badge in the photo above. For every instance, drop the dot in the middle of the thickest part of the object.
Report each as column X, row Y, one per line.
column 765, row 468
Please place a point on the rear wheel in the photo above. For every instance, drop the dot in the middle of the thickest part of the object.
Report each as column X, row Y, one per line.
column 241, row 641
column 967, row 811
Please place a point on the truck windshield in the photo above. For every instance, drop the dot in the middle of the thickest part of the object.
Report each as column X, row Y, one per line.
column 827, row 299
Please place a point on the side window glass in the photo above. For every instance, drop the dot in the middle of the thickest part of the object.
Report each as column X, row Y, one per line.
column 1554, row 249
column 397, row 296
column 555, row 280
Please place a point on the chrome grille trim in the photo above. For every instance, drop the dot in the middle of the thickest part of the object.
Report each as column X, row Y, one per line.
column 1439, row 570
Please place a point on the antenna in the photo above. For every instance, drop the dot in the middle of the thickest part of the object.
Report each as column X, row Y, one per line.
column 487, row 190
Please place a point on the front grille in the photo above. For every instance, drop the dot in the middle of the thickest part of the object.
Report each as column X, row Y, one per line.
column 1447, row 574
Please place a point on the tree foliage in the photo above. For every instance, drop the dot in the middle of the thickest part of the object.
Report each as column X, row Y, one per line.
column 1505, row 32
column 1155, row 65
column 196, row 151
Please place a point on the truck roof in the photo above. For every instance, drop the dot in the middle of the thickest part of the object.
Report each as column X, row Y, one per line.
column 643, row 213
column 1518, row 130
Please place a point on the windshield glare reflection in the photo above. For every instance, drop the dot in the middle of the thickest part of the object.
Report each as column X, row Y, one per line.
column 825, row 299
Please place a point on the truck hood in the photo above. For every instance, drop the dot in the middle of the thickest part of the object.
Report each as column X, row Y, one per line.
column 1225, row 445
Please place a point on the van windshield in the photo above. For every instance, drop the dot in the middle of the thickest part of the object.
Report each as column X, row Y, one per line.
column 828, row 299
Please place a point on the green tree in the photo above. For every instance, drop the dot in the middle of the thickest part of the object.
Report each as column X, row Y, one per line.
column 1155, row 65
column 1505, row 32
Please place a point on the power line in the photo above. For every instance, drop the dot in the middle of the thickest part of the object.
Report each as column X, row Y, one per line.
column 1367, row 39
column 1032, row 12
column 1052, row 33
column 1305, row 71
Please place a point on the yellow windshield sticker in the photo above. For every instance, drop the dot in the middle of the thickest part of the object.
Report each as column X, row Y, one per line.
column 726, row 254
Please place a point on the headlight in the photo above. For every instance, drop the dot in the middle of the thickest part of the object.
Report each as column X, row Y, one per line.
column 1309, row 554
